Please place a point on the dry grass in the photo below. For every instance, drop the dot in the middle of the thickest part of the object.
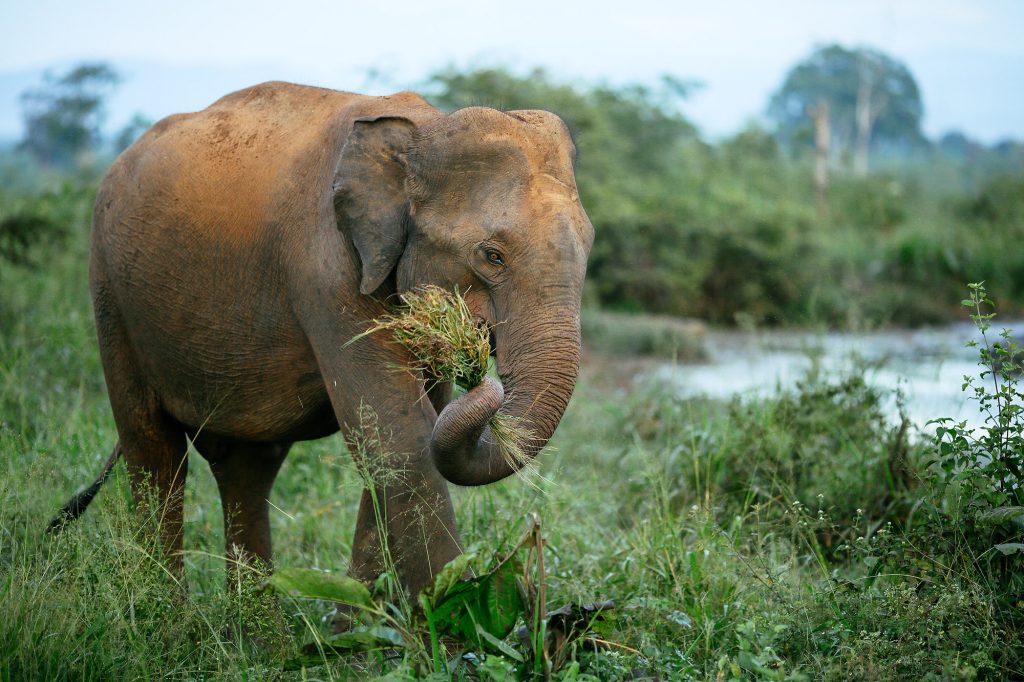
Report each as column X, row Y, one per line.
column 450, row 345
column 437, row 327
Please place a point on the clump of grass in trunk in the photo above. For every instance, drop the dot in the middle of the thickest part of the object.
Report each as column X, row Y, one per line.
column 449, row 345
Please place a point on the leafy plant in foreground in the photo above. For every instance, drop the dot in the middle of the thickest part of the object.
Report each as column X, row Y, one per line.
column 475, row 615
column 979, row 470
column 985, row 464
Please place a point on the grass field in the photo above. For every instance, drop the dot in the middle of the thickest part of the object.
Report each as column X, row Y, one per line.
column 796, row 537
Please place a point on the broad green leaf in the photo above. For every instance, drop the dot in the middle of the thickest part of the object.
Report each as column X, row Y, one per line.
column 1001, row 514
column 491, row 602
column 308, row 583
column 500, row 646
column 346, row 644
column 361, row 638
column 448, row 577
column 1010, row 548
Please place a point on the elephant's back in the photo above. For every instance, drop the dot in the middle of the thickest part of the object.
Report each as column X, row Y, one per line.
column 217, row 172
column 191, row 238
column 204, row 205
column 257, row 160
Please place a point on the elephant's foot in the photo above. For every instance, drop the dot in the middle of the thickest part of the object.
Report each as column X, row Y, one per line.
column 420, row 531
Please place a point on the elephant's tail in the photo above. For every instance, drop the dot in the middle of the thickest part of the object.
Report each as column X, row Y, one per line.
column 77, row 504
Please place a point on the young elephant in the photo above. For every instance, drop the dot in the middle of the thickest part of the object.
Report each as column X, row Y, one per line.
column 237, row 250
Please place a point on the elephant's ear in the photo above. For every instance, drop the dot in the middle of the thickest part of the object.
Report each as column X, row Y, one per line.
column 369, row 194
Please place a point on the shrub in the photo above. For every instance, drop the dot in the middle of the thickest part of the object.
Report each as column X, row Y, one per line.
column 27, row 222
column 825, row 445
column 999, row 201
column 643, row 335
column 979, row 474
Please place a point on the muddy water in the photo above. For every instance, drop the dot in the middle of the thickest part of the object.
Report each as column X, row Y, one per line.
column 927, row 366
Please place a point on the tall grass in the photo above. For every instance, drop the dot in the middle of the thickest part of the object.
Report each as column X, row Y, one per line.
column 789, row 537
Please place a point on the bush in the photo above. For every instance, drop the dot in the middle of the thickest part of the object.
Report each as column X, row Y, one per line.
column 979, row 473
column 30, row 222
column 825, row 445
column 999, row 201
column 875, row 205
column 643, row 335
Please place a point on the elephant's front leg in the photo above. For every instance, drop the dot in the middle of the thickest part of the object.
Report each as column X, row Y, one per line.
column 405, row 502
column 406, row 513
column 406, row 505
column 440, row 394
column 406, row 517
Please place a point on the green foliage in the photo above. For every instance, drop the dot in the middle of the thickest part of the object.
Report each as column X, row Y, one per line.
column 636, row 335
column 840, row 76
column 645, row 503
column 826, row 445
column 979, row 473
column 63, row 116
column 877, row 204
column 988, row 465
column 478, row 613
column 29, row 223
column 311, row 584
column 488, row 605
column 999, row 202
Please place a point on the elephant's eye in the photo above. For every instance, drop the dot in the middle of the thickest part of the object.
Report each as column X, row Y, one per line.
column 493, row 257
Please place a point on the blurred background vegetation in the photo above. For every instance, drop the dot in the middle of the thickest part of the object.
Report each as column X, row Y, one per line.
column 838, row 213
column 801, row 534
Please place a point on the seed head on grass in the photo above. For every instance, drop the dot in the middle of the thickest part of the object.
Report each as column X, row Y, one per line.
column 437, row 327
column 510, row 433
column 449, row 345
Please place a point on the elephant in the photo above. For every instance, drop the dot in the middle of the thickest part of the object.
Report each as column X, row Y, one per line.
column 236, row 253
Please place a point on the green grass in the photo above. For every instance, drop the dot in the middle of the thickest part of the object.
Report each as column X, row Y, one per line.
column 784, row 538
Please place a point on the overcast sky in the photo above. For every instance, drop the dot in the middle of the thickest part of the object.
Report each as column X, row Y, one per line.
column 968, row 55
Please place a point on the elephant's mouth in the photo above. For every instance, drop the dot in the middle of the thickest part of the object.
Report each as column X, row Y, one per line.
column 484, row 324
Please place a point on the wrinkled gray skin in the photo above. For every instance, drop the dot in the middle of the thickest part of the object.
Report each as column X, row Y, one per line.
column 237, row 251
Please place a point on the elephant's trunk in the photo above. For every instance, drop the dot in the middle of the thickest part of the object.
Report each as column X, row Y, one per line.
column 538, row 364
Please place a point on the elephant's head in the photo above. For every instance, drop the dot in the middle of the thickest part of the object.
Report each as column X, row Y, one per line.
column 485, row 201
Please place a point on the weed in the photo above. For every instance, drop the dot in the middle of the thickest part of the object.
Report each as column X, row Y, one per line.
column 449, row 345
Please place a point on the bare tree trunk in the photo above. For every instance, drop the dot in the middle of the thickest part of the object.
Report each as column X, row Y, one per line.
column 819, row 113
column 864, row 119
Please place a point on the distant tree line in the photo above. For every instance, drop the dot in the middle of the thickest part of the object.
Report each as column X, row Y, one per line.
column 64, row 116
column 779, row 225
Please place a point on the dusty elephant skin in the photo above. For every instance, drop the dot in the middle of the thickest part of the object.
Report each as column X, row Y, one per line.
column 238, row 249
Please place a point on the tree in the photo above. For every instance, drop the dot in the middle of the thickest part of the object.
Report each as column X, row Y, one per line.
column 873, row 100
column 957, row 145
column 63, row 116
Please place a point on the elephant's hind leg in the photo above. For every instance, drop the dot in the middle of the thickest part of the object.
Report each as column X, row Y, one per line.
column 245, row 473
column 157, row 458
column 153, row 442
